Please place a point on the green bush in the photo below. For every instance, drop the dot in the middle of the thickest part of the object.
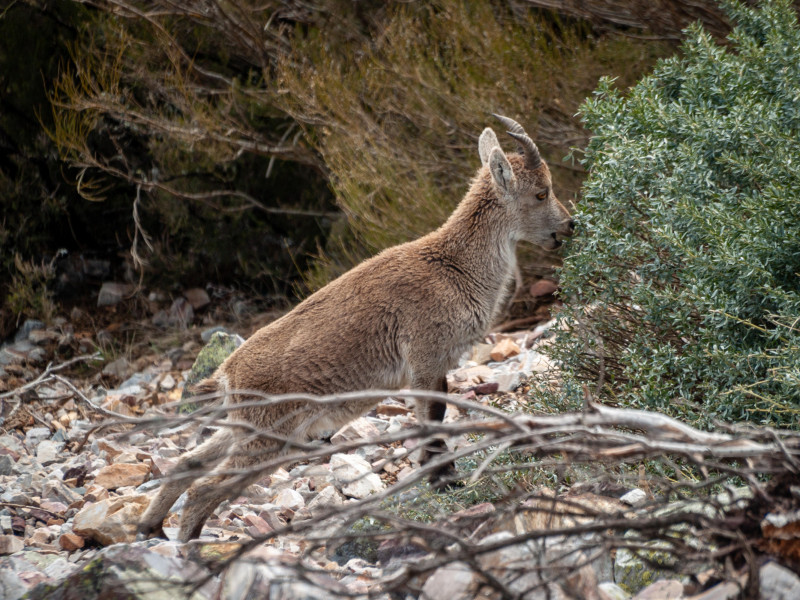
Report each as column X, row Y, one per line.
column 683, row 289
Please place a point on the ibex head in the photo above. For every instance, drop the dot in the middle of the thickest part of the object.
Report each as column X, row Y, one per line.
column 523, row 183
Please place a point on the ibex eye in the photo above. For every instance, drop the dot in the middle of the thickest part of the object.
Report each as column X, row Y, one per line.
column 541, row 195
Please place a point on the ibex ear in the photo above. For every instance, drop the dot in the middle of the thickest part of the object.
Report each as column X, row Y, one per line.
column 501, row 171
column 486, row 142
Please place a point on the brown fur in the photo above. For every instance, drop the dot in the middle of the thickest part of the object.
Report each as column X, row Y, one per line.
column 398, row 320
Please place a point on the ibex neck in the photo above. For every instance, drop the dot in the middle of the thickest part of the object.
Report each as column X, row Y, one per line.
column 479, row 238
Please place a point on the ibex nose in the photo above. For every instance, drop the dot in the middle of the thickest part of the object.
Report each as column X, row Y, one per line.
column 571, row 225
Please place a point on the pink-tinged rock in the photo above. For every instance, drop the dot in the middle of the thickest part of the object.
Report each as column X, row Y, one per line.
column 95, row 493
column 112, row 293
column 485, row 388
column 120, row 475
column 10, row 544
column 258, row 524
column 111, row 521
column 162, row 466
column 289, row 498
column 71, row 542
column 197, row 297
column 40, row 538
column 357, row 430
column 662, row 590
column 112, row 449
column 543, row 287
column 58, row 508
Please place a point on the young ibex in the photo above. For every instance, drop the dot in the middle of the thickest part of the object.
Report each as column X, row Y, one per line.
column 398, row 320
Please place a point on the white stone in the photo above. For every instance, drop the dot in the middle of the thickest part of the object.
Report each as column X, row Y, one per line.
column 634, row 498
column 167, row 383
column 455, row 581
column 47, row 451
column 354, row 477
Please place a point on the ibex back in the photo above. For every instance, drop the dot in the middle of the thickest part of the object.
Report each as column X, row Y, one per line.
column 398, row 320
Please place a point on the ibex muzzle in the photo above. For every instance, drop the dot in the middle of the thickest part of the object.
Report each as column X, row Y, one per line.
column 398, row 320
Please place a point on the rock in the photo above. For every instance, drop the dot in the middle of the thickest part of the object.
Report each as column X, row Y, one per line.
column 181, row 313
column 137, row 380
column 12, row 445
column 167, row 383
column 34, row 435
column 161, row 466
column 21, row 352
column 543, row 287
column 508, row 381
column 778, row 583
column 258, row 525
column 47, row 452
column 266, row 573
column 465, row 379
column 6, row 465
column 30, row 325
column 112, row 293
column 206, row 334
column 633, row 573
column 727, row 590
column 197, row 297
column 119, row 475
column 663, row 590
column 111, row 521
column 42, row 337
column 10, row 544
column 128, row 572
column 611, row 591
column 481, row 353
column 289, row 498
column 209, row 358
column 70, row 541
column 118, row 368
column 455, row 581
column 58, row 491
column 635, row 497
column 354, row 476
column 356, row 430
column 486, row 388
column 40, row 538
column 56, row 507
column 504, row 349
column 328, row 498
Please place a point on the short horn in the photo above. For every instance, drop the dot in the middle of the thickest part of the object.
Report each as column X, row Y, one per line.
column 532, row 157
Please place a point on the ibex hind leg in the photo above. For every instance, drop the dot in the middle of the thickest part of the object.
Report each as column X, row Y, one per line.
column 228, row 481
column 200, row 460
column 430, row 410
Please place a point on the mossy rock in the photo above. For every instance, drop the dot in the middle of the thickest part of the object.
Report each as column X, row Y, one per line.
column 220, row 346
